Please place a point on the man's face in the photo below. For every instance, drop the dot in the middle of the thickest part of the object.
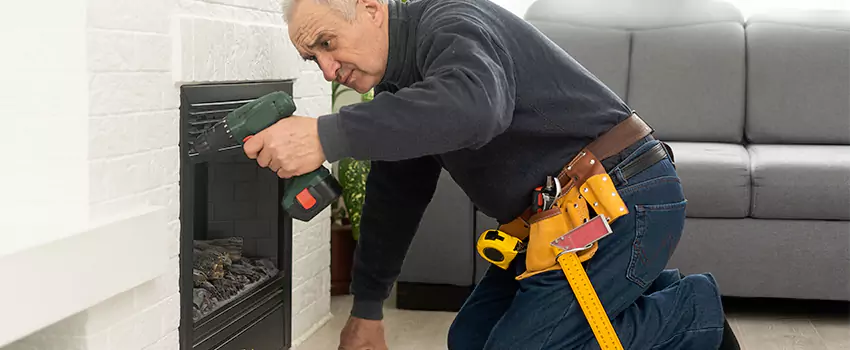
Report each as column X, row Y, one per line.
column 352, row 53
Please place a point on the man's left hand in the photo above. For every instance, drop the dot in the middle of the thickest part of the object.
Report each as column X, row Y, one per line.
column 290, row 147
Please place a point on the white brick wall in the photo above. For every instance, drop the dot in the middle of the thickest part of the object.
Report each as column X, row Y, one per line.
column 138, row 54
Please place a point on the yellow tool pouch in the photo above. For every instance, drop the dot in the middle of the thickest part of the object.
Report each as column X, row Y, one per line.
column 589, row 190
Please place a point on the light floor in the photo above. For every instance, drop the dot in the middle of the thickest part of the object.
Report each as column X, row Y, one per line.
column 758, row 325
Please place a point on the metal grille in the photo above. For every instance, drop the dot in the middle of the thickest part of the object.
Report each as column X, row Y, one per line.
column 207, row 104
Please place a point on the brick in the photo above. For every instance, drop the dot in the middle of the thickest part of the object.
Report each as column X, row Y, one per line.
column 311, row 316
column 263, row 5
column 153, row 52
column 225, row 50
column 114, row 93
column 157, row 129
column 267, row 247
column 139, row 331
column 311, row 265
column 310, row 291
column 155, row 291
column 167, row 196
column 253, row 228
column 174, row 240
column 110, row 50
column 311, row 83
column 117, row 177
column 132, row 133
column 184, row 43
column 305, row 242
column 169, row 342
column 313, row 106
column 220, row 228
column 170, row 314
column 114, row 136
column 147, row 16
column 229, row 13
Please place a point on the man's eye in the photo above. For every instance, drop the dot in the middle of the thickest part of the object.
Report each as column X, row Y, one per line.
column 326, row 44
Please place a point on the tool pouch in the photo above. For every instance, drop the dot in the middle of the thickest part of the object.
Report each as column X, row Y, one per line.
column 589, row 189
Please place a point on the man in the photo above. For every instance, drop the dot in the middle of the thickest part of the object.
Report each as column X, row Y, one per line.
column 465, row 86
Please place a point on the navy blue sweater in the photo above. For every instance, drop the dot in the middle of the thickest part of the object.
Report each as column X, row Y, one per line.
column 473, row 89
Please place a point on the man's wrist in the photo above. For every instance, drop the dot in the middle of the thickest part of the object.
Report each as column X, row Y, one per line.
column 332, row 137
column 367, row 309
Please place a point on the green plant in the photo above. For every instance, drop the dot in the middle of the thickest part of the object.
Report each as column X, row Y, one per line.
column 352, row 176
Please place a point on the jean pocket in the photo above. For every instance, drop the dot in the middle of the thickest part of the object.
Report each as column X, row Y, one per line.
column 658, row 228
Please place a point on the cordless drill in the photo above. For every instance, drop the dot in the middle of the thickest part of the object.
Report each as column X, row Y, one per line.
column 305, row 195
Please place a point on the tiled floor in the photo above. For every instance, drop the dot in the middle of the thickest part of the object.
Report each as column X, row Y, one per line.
column 759, row 325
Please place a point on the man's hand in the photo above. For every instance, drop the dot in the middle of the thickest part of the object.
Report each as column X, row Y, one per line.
column 289, row 147
column 362, row 334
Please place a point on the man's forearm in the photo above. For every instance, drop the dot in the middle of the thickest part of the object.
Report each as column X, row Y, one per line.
column 397, row 194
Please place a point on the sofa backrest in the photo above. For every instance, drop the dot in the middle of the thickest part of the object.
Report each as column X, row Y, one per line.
column 679, row 63
column 798, row 85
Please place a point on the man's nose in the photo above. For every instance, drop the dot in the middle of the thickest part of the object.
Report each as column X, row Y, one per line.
column 329, row 67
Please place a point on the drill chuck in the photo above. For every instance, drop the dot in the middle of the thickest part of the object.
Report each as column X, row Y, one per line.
column 213, row 139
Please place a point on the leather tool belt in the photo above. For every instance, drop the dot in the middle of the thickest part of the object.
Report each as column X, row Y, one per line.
column 557, row 231
column 585, row 187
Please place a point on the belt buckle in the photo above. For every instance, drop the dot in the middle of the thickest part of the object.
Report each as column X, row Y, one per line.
column 583, row 236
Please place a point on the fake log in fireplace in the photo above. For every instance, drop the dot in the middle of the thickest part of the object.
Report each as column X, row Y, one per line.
column 235, row 240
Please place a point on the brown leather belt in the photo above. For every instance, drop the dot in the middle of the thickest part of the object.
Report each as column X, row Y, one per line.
column 611, row 143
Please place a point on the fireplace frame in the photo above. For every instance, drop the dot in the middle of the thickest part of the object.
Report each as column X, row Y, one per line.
column 246, row 317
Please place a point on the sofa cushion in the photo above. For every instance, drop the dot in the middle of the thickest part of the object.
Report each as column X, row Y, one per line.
column 715, row 178
column 604, row 52
column 800, row 181
column 688, row 82
column 799, row 80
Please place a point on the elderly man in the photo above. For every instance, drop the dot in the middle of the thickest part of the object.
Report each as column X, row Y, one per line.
column 465, row 86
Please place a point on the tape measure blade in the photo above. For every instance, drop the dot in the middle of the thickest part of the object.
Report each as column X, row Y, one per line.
column 589, row 302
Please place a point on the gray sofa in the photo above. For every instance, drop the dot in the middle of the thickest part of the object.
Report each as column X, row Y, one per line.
column 757, row 112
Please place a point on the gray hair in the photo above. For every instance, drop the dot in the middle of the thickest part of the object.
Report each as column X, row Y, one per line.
column 345, row 7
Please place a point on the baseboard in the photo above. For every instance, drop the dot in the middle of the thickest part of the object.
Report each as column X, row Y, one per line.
column 431, row 297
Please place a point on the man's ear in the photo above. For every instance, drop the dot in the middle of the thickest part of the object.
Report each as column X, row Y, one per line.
column 374, row 10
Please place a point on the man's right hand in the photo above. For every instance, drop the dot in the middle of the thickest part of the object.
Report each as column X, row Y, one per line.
column 362, row 334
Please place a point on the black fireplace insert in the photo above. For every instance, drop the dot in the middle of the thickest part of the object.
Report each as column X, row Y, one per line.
column 235, row 240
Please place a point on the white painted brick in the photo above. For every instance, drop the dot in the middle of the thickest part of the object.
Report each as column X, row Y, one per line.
column 113, row 93
column 161, row 288
column 263, row 5
column 228, row 13
column 299, row 226
column 158, row 129
column 113, row 51
column 146, row 16
column 311, row 83
column 313, row 106
column 310, row 291
column 174, row 233
column 170, row 314
column 127, row 175
column 311, row 316
column 143, row 329
column 110, row 50
column 169, row 342
column 132, row 133
column 224, row 50
column 311, row 265
column 167, row 196
column 112, row 136
column 153, row 52
column 305, row 242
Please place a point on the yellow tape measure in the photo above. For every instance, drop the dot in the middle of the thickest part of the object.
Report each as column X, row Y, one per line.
column 589, row 301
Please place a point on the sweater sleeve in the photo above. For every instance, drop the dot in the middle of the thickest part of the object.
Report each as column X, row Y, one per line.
column 464, row 99
column 397, row 194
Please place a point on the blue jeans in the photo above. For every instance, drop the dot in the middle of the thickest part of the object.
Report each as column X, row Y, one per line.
column 649, row 307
